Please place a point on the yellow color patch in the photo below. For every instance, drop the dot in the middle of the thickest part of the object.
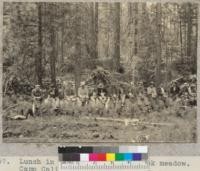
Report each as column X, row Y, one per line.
column 110, row 157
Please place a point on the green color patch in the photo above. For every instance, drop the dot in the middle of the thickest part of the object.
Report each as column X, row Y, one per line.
column 119, row 157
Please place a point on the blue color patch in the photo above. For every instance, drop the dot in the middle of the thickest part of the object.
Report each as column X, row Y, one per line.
column 137, row 156
column 128, row 157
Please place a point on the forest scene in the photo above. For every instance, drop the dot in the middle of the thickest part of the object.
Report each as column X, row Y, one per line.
column 99, row 72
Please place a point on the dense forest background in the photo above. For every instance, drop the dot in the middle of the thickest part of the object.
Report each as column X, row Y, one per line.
column 133, row 41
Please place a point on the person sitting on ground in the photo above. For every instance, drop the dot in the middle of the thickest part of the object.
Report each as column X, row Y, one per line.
column 107, row 104
column 140, row 91
column 48, row 101
column 70, row 104
column 93, row 101
column 146, row 102
column 101, row 88
column 52, row 91
column 192, row 94
column 151, row 90
column 185, row 99
column 122, row 97
column 93, row 97
column 192, row 89
column 83, row 93
column 185, row 89
column 128, row 104
column 102, row 99
column 192, row 101
column 194, row 79
column 140, row 88
column 37, row 96
column 161, row 91
column 69, row 88
column 162, row 95
column 61, row 91
column 174, row 89
column 59, row 98
column 112, row 104
column 152, row 94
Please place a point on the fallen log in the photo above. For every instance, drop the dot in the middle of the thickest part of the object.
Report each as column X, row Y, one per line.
column 17, row 117
column 153, row 123
column 118, row 120
column 134, row 122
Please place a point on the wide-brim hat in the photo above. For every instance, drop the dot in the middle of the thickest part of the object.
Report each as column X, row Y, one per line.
column 100, row 85
column 151, row 83
column 82, row 83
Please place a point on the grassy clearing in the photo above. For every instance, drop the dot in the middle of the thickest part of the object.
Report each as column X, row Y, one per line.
column 64, row 127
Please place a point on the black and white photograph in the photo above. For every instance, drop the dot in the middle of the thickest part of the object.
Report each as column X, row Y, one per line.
column 99, row 72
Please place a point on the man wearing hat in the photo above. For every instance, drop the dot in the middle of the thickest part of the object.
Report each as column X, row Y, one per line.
column 174, row 89
column 185, row 88
column 100, row 89
column 83, row 93
column 151, row 90
column 152, row 94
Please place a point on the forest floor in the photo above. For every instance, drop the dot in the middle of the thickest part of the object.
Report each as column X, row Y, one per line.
column 163, row 126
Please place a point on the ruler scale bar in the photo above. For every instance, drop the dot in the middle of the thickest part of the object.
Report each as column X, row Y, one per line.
column 94, row 166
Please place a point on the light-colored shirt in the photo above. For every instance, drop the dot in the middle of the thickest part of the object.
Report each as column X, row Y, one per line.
column 83, row 92
column 152, row 92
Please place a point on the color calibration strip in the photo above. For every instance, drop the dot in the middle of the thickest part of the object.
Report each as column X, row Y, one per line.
column 87, row 154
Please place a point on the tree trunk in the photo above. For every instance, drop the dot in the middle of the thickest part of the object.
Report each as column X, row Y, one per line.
column 158, row 44
column 136, row 29
column 94, row 32
column 77, row 62
column 53, row 49
column 62, row 44
column 185, row 30
column 189, row 30
column 57, row 46
column 96, row 14
column 38, row 60
column 53, row 57
column 62, row 36
column 181, row 40
column 116, row 55
column 108, row 30
column 195, row 40
column 130, row 23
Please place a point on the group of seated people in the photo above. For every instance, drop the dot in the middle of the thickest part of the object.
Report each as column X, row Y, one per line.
column 139, row 99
